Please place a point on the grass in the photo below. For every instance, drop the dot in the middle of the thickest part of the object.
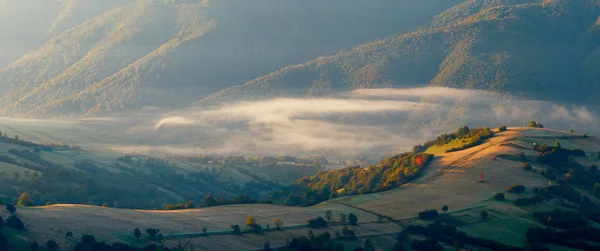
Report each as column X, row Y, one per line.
column 437, row 150
column 451, row 179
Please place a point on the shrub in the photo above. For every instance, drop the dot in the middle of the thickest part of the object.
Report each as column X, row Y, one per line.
column 428, row 214
column 502, row 128
column 516, row 189
column 11, row 208
column 14, row 222
column 528, row 201
column 527, row 167
column 499, row 196
column 318, row 222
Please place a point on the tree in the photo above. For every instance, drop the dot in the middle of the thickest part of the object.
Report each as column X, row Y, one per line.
column 597, row 189
column 278, row 223
column 343, row 218
column 532, row 124
column 317, row 222
column 209, row 201
column 104, row 204
column 484, row 215
column 11, row 208
column 34, row 246
column 14, row 222
column 499, row 196
column 236, row 229
column 481, row 177
column 87, row 239
column 445, row 208
column 352, row 219
column 51, row 245
column 3, row 242
column 571, row 131
column 328, row 215
column 556, row 144
column 348, row 234
column 250, row 221
column 151, row 232
column 25, row 200
column 1, row 223
column 267, row 246
column 69, row 235
column 137, row 234
column 204, row 230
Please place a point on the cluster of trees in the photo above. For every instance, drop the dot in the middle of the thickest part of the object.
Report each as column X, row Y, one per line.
column 470, row 137
column 325, row 241
column 428, row 214
column 449, row 234
column 327, row 184
column 474, row 138
column 579, row 238
column 534, row 124
column 187, row 205
column 562, row 219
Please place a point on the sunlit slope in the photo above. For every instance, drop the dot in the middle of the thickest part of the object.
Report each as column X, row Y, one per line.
column 452, row 179
column 545, row 50
column 25, row 25
column 171, row 53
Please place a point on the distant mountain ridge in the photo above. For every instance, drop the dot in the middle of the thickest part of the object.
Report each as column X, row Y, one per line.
column 546, row 50
column 128, row 55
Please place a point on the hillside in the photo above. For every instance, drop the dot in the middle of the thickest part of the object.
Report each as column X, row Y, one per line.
column 44, row 19
column 465, row 181
column 537, row 49
column 170, row 53
column 56, row 172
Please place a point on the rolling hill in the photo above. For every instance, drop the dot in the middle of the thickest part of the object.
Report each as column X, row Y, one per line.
column 452, row 179
column 132, row 54
column 56, row 172
column 538, row 49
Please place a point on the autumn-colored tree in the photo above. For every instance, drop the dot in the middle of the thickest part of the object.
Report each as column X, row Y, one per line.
column 25, row 200
column 278, row 223
column 481, row 177
column 250, row 221
column 209, row 201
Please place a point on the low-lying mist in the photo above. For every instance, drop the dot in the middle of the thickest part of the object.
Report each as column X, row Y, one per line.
column 373, row 121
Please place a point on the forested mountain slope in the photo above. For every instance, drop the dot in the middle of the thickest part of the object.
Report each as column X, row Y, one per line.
column 171, row 53
column 26, row 24
column 540, row 49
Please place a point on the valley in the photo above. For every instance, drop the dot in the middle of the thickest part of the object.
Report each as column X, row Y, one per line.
column 464, row 181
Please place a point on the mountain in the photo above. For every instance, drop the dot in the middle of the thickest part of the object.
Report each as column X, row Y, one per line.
column 43, row 19
column 538, row 49
column 132, row 54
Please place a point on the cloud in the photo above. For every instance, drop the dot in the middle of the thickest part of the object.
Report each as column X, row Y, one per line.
column 429, row 92
column 350, row 123
column 175, row 120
